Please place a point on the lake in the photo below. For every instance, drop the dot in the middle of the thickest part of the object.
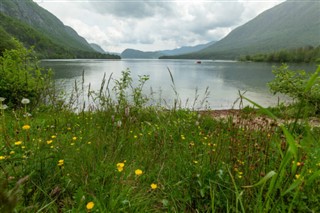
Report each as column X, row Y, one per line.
column 223, row 78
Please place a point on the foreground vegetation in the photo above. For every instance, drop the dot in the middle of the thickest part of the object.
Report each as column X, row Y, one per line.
column 120, row 154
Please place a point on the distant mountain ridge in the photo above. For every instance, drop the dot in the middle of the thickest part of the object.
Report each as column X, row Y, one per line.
column 132, row 53
column 35, row 26
column 289, row 25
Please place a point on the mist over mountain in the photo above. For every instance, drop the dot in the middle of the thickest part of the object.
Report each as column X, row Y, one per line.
column 289, row 25
column 34, row 26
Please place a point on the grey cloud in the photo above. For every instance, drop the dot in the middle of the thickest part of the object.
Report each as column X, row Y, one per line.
column 132, row 9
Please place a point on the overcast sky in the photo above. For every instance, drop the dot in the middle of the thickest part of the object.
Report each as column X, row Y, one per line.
column 154, row 24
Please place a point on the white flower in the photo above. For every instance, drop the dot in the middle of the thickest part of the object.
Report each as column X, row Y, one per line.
column 119, row 123
column 25, row 101
column 2, row 99
column 3, row 107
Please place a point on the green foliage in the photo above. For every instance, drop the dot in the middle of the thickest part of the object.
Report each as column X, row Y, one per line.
column 194, row 163
column 21, row 77
column 294, row 84
column 307, row 55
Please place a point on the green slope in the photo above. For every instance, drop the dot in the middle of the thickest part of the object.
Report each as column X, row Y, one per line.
column 289, row 25
column 34, row 26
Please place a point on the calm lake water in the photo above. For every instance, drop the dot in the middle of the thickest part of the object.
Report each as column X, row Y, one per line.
column 223, row 78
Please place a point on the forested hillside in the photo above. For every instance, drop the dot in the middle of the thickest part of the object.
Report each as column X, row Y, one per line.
column 289, row 25
column 34, row 26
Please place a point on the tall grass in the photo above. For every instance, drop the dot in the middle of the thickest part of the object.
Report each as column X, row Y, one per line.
column 93, row 150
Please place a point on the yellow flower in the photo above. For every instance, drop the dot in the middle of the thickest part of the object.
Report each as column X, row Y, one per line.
column 74, row 138
column 138, row 172
column 18, row 143
column 120, row 166
column 2, row 157
column 49, row 141
column 26, row 127
column 297, row 176
column 60, row 162
column 153, row 186
column 12, row 152
column 90, row 205
column 53, row 136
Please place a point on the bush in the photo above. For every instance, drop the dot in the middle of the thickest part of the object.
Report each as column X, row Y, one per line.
column 21, row 77
column 303, row 87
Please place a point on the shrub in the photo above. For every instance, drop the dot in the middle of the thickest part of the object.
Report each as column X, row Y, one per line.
column 295, row 84
column 21, row 77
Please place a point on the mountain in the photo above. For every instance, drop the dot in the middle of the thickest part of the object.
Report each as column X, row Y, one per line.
column 289, row 25
column 132, row 53
column 34, row 26
column 97, row 48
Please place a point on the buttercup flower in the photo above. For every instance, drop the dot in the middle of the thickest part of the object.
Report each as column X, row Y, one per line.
column 138, row 172
column 74, row 138
column 25, row 101
column 120, row 166
column 49, row 141
column 2, row 157
column 60, row 162
column 18, row 143
column 153, row 186
column 26, row 127
column 90, row 205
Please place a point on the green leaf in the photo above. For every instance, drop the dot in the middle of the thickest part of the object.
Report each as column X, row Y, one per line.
column 263, row 180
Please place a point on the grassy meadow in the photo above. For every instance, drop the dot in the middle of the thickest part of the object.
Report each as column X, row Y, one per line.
column 126, row 156
column 112, row 151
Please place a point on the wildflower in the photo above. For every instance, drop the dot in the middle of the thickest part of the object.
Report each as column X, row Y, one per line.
column 135, row 136
column 25, row 101
column 18, row 143
column 3, row 106
column 119, row 123
column 300, row 163
column 12, row 152
column 138, row 172
column 153, row 186
column 53, row 136
column 26, row 127
column 182, row 137
column 60, row 162
column 120, row 166
column 127, row 111
column 90, row 205
column 74, row 138
column 49, row 141
column 195, row 161
column 89, row 142
column 2, row 157
column 297, row 176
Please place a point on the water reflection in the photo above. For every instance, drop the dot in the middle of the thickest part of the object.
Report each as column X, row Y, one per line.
column 224, row 78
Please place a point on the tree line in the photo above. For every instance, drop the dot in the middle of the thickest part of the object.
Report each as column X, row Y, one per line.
column 306, row 54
